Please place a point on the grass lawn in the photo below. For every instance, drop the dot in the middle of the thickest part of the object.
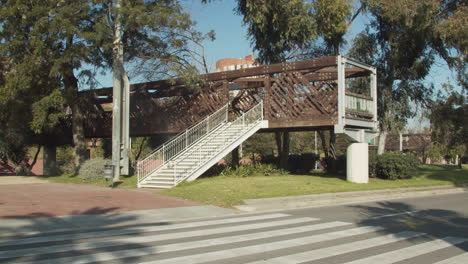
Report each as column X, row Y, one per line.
column 228, row 191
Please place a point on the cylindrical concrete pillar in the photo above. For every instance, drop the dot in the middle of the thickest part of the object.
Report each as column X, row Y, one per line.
column 357, row 163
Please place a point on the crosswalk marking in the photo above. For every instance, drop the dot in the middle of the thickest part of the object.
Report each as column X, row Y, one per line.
column 241, row 240
column 137, row 230
column 410, row 252
column 341, row 249
column 156, row 238
column 459, row 259
column 104, row 256
column 244, row 251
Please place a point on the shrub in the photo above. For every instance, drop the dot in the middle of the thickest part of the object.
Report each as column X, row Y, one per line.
column 394, row 166
column 372, row 165
column 93, row 169
column 251, row 170
column 302, row 163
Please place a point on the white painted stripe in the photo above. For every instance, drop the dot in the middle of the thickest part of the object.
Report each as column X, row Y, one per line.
column 459, row 259
column 213, row 255
column 148, row 239
column 411, row 252
column 402, row 213
column 106, row 256
column 244, row 251
column 340, row 249
column 136, row 230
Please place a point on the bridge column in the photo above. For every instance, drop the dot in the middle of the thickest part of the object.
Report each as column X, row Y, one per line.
column 357, row 163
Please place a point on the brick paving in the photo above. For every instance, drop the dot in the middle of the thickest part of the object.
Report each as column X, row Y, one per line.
column 32, row 200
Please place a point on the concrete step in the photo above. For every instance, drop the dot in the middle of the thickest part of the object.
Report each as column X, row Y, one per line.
column 155, row 186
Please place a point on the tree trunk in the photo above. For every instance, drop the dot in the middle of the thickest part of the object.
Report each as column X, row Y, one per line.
column 382, row 141
column 235, row 157
column 282, row 144
column 140, row 148
column 285, row 151
column 50, row 158
column 74, row 102
column 29, row 166
column 324, row 143
column 331, row 149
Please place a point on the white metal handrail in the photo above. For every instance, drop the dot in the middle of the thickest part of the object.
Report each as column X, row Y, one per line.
column 179, row 143
column 246, row 120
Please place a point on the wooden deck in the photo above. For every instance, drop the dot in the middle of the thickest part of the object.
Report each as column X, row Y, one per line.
column 300, row 95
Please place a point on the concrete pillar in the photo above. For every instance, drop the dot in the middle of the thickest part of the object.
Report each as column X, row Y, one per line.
column 357, row 163
column 50, row 159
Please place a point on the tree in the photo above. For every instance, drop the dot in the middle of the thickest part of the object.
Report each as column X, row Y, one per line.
column 278, row 30
column 58, row 38
column 449, row 122
column 402, row 41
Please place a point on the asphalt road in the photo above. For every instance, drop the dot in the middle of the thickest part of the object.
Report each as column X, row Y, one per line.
column 420, row 230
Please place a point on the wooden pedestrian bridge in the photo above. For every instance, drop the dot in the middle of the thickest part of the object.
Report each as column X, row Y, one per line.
column 215, row 115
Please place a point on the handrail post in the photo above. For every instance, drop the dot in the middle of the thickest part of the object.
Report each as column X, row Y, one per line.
column 175, row 165
column 227, row 113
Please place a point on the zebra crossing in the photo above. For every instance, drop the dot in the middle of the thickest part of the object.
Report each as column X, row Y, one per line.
column 266, row 238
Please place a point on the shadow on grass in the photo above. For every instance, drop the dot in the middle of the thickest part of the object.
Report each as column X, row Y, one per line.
column 451, row 173
column 396, row 217
column 80, row 237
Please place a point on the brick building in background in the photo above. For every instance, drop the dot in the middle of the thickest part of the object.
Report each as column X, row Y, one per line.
column 235, row 64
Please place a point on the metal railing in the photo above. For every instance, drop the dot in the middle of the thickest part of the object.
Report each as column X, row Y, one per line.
column 160, row 156
column 246, row 121
column 358, row 104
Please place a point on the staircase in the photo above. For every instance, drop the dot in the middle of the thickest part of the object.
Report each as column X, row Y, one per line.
column 194, row 151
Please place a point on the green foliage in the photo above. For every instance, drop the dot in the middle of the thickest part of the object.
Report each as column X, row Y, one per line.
column 65, row 153
column 373, row 165
column 140, row 148
column 93, row 169
column 393, row 166
column 251, row 170
column 449, row 123
column 402, row 40
column 260, row 143
column 332, row 18
column 277, row 27
column 47, row 112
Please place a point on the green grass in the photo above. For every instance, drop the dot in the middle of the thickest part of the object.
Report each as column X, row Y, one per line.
column 126, row 181
column 228, row 191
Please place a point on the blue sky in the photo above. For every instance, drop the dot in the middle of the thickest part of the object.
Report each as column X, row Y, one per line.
column 232, row 41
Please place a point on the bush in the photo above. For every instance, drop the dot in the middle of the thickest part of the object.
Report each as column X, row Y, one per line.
column 302, row 163
column 393, row 166
column 93, row 169
column 372, row 165
column 251, row 170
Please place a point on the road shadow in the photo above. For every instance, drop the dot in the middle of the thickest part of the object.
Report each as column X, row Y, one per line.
column 44, row 238
column 398, row 216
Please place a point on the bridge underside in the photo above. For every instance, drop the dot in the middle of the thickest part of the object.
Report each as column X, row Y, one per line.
column 302, row 95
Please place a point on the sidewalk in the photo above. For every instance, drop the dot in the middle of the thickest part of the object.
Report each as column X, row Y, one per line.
column 329, row 199
column 29, row 204
column 32, row 207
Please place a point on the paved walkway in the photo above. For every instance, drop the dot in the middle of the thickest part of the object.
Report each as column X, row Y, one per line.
column 37, row 198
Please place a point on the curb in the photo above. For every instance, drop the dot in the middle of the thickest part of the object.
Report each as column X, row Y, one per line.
column 329, row 199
